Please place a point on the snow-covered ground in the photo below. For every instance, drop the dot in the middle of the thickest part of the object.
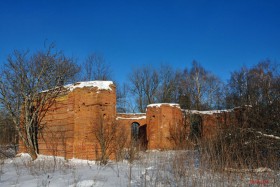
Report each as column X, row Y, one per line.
column 154, row 168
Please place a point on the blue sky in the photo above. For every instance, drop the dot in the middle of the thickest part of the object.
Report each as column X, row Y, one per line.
column 221, row 35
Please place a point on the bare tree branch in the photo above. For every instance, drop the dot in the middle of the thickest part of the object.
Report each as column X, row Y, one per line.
column 24, row 78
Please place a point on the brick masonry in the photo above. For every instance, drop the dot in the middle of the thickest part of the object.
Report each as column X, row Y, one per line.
column 71, row 125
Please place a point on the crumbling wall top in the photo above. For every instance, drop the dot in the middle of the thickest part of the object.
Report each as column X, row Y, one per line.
column 209, row 112
column 166, row 104
column 100, row 85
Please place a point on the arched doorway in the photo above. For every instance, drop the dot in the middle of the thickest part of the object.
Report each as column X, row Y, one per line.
column 139, row 136
column 196, row 127
column 134, row 132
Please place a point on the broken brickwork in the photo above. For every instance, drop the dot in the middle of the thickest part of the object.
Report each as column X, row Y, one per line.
column 72, row 124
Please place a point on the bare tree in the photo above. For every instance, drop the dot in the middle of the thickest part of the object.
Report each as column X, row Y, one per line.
column 200, row 89
column 7, row 131
column 238, row 88
column 257, row 87
column 254, row 86
column 193, row 89
column 96, row 68
column 110, row 138
column 168, row 84
column 198, row 76
column 144, row 83
column 150, row 84
column 122, row 98
column 215, row 92
column 136, row 88
column 183, row 93
column 251, row 141
column 24, row 78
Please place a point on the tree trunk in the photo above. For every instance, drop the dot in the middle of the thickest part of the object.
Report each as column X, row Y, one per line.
column 33, row 154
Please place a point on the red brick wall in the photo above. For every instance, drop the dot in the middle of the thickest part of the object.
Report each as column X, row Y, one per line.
column 71, row 124
column 160, row 119
column 125, row 121
column 56, row 136
column 92, row 107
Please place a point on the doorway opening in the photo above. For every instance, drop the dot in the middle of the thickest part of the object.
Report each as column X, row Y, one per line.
column 196, row 127
column 139, row 136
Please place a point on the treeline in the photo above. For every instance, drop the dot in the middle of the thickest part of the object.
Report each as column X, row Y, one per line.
column 199, row 89
column 193, row 87
column 251, row 142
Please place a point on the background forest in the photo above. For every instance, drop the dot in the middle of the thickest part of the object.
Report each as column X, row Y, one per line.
column 257, row 87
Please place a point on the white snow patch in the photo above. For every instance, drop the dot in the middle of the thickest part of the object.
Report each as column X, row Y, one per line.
column 23, row 155
column 153, row 151
column 262, row 169
column 151, row 166
column 76, row 161
column 46, row 157
column 209, row 112
column 160, row 104
column 135, row 118
column 257, row 170
column 244, row 106
column 84, row 183
column 101, row 85
column 269, row 135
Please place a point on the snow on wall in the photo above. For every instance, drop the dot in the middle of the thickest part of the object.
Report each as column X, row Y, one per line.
column 135, row 118
column 101, row 85
column 135, row 114
column 160, row 104
column 128, row 116
column 210, row 112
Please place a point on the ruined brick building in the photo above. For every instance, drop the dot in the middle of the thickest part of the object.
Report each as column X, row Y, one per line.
column 72, row 126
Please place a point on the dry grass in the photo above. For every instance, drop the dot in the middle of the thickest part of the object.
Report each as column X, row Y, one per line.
column 242, row 148
column 193, row 168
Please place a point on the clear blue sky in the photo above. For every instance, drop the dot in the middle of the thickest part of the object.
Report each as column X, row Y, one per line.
column 221, row 35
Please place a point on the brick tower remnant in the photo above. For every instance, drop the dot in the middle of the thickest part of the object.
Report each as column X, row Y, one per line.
column 94, row 104
column 73, row 125
column 161, row 119
column 68, row 126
